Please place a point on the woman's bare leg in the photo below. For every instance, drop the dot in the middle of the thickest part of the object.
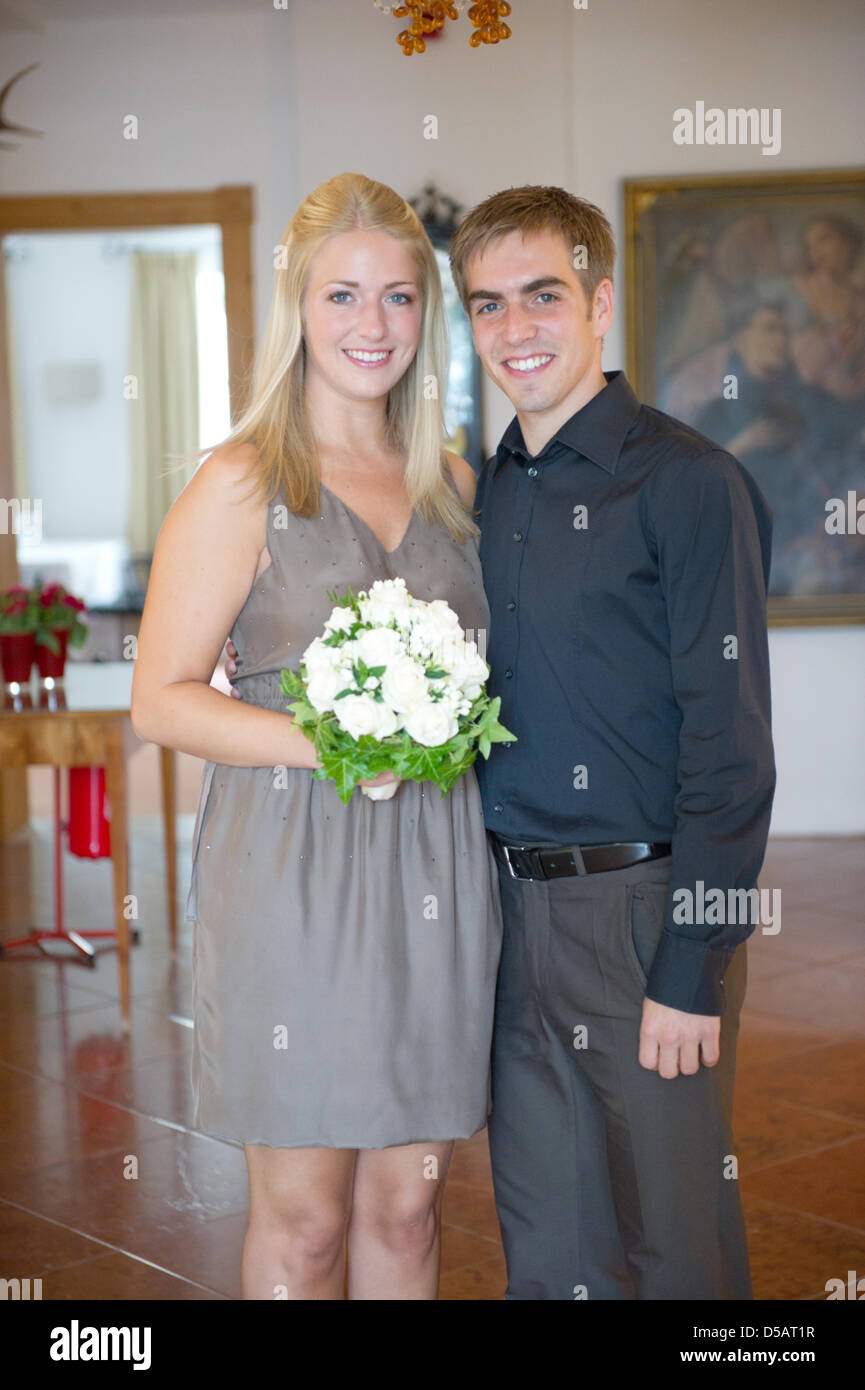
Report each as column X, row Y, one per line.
column 394, row 1237
column 299, row 1204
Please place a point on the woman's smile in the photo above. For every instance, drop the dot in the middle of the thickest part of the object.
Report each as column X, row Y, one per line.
column 364, row 358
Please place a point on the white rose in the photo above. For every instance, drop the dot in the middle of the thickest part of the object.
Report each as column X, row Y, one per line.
column 467, row 668
column 404, row 684
column 360, row 714
column 318, row 657
column 323, row 687
column 443, row 616
column 431, row 724
column 340, row 620
column 377, row 646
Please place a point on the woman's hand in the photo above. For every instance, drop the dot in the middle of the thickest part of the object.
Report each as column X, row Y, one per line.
column 382, row 780
column 382, row 787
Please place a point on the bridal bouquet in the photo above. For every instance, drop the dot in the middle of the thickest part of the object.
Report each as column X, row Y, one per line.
column 393, row 684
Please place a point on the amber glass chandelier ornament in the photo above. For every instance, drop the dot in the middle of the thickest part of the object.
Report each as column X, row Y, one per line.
column 488, row 21
column 425, row 19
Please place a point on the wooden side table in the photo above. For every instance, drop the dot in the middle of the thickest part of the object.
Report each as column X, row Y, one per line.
column 85, row 722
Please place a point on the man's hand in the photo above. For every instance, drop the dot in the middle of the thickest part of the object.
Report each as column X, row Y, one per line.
column 672, row 1041
column 230, row 667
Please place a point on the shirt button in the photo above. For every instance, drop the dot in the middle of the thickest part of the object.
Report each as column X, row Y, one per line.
column 508, row 673
column 511, row 605
column 518, row 535
column 533, row 472
column 498, row 807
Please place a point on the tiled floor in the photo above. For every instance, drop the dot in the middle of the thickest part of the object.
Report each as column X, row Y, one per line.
column 107, row 1193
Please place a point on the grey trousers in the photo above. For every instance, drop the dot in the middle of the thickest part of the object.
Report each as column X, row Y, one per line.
column 611, row 1182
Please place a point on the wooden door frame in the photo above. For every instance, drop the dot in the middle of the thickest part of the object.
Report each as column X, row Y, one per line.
column 230, row 207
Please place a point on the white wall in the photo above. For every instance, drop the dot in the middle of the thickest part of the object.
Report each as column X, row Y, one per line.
column 582, row 98
column 213, row 94
column 503, row 112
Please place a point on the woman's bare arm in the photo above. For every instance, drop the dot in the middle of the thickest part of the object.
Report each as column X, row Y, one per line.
column 204, row 566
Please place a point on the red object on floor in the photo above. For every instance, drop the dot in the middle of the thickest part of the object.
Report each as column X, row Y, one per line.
column 89, row 828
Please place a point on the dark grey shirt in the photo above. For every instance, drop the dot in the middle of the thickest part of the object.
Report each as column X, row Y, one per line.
column 626, row 568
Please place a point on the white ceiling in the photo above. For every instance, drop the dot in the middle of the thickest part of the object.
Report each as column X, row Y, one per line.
column 30, row 16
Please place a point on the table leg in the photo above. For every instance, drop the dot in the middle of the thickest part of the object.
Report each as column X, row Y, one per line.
column 115, row 786
column 169, row 816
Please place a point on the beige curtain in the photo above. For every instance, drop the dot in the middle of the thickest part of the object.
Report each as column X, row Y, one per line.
column 163, row 418
column 20, row 471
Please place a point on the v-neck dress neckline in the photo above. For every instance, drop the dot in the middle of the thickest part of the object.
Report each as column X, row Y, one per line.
column 366, row 524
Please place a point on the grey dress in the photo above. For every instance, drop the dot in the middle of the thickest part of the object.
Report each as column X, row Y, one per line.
column 345, row 957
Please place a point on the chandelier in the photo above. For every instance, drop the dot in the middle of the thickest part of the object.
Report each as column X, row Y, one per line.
column 487, row 19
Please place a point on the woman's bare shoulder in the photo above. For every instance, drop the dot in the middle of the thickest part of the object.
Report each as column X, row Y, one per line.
column 226, row 481
column 229, row 465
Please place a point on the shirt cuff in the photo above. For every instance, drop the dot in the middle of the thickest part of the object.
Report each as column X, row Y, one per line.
column 689, row 975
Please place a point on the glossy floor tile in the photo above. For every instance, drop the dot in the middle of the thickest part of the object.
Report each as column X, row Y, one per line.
column 108, row 1193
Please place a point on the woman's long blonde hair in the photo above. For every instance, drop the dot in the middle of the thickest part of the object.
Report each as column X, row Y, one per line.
column 275, row 419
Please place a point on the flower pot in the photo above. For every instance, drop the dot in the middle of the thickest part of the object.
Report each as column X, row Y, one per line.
column 53, row 663
column 17, row 650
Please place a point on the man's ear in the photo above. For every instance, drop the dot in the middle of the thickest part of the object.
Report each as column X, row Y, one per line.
column 602, row 307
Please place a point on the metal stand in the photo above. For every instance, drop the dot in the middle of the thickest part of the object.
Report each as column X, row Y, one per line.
column 37, row 936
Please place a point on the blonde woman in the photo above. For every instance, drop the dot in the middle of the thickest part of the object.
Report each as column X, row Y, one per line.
column 344, row 956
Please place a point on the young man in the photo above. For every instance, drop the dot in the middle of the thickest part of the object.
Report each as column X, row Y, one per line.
column 626, row 559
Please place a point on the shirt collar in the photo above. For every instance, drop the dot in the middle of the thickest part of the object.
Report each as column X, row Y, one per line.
column 597, row 431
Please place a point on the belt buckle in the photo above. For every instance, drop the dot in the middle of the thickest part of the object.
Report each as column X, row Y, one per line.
column 506, row 851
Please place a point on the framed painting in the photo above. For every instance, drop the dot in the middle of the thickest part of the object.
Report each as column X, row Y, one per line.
column 746, row 319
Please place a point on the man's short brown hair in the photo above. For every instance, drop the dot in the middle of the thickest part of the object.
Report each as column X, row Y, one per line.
column 536, row 209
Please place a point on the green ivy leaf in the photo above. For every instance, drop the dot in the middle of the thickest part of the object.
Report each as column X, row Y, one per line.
column 338, row 768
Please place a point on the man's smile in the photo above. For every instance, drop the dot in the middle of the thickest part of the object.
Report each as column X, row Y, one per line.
column 523, row 366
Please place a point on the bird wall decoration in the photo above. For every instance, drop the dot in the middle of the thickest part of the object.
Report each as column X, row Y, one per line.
column 11, row 125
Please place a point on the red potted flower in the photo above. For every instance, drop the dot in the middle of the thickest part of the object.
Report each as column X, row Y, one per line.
column 59, row 627
column 19, row 620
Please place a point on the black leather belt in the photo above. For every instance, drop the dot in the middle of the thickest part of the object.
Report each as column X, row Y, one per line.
column 562, row 861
